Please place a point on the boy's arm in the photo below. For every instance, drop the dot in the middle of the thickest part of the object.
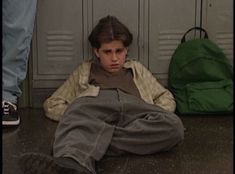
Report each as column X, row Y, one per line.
column 161, row 96
column 165, row 100
column 55, row 105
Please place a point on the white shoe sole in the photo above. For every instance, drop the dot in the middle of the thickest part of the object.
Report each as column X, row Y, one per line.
column 11, row 123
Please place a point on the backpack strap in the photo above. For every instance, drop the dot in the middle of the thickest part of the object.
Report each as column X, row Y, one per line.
column 195, row 28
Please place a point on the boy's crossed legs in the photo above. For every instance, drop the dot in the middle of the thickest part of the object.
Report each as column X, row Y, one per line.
column 92, row 126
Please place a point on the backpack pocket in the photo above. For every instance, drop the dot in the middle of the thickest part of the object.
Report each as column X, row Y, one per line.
column 210, row 97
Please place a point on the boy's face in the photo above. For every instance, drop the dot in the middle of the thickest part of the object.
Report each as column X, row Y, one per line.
column 112, row 55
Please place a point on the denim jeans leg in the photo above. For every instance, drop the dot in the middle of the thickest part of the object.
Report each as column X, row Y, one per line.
column 17, row 28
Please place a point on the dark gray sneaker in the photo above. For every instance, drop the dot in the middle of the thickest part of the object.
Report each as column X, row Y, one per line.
column 10, row 114
column 36, row 163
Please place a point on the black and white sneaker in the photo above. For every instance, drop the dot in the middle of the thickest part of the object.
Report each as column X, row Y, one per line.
column 10, row 114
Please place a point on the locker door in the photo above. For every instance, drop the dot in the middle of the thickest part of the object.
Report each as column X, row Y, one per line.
column 218, row 21
column 58, row 41
column 168, row 21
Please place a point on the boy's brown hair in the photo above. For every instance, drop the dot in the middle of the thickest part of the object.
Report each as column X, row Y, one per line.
column 108, row 29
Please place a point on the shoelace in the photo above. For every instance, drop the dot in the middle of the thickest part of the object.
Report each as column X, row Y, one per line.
column 6, row 108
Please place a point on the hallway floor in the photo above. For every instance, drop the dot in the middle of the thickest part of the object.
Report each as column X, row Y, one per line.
column 206, row 149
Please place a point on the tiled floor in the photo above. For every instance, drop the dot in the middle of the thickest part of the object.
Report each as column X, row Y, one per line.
column 206, row 149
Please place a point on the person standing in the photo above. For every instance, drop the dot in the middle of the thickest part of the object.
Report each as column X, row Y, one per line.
column 18, row 17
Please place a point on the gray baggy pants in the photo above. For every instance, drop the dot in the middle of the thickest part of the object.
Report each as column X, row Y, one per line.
column 93, row 126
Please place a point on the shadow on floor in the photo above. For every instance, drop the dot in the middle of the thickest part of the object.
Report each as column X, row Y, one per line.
column 206, row 149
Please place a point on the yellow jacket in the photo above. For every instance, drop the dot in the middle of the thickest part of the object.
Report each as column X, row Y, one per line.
column 151, row 91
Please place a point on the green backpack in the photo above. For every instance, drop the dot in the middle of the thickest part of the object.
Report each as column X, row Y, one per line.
column 201, row 77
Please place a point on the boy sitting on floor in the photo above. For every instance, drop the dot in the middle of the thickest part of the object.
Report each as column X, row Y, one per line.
column 110, row 105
